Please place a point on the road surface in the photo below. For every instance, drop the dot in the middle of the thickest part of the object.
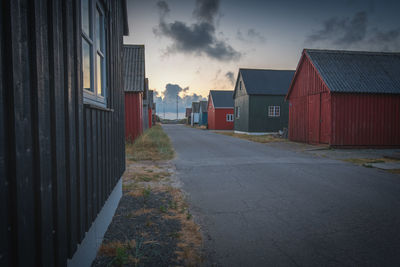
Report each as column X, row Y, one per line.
column 262, row 205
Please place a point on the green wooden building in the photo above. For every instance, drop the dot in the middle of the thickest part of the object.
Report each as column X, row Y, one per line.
column 259, row 97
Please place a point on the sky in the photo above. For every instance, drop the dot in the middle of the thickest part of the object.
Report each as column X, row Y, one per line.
column 193, row 46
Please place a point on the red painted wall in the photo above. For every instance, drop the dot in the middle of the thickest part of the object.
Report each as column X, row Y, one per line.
column 217, row 119
column 318, row 116
column 365, row 119
column 133, row 115
column 308, row 97
column 150, row 117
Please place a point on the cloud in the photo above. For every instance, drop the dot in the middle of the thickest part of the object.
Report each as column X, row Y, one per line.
column 354, row 32
column 163, row 8
column 230, row 76
column 167, row 99
column 342, row 31
column 198, row 38
column 385, row 40
column 206, row 10
column 251, row 35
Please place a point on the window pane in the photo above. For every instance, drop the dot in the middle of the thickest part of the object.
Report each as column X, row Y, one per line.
column 85, row 16
column 99, row 30
column 86, row 66
column 97, row 21
column 99, row 64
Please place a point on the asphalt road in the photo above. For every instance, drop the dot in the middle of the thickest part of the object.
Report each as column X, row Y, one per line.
column 262, row 205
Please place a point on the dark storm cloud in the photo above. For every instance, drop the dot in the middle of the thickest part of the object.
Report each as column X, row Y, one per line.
column 251, row 35
column 386, row 40
column 168, row 99
column 342, row 31
column 198, row 38
column 163, row 8
column 230, row 76
column 206, row 10
column 354, row 32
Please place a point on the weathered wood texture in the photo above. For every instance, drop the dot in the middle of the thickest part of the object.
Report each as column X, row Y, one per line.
column 59, row 158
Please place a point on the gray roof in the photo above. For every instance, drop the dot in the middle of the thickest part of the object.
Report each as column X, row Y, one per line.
column 134, row 71
column 358, row 72
column 195, row 107
column 203, row 106
column 266, row 82
column 222, row 99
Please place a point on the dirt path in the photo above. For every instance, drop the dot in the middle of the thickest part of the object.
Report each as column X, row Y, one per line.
column 152, row 225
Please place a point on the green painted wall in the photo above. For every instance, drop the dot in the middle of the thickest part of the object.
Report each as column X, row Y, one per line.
column 258, row 113
column 242, row 101
column 242, row 123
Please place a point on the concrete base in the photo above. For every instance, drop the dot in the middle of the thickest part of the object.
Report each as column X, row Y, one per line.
column 254, row 133
column 87, row 250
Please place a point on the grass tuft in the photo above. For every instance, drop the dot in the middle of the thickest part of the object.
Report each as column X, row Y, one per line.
column 267, row 138
column 154, row 144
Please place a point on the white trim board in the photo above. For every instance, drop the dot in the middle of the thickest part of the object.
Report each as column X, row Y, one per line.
column 255, row 133
column 87, row 250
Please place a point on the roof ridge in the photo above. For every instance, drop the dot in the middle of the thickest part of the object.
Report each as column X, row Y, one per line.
column 133, row 45
column 265, row 69
column 333, row 51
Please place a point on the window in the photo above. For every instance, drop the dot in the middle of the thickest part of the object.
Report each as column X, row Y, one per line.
column 229, row 117
column 240, row 85
column 93, row 52
column 274, row 111
column 237, row 112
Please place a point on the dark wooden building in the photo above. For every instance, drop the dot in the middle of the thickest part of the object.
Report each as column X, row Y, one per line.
column 61, row 123
column 346, row 98
column 134, row 87
column 259, row 96
column 146, row 105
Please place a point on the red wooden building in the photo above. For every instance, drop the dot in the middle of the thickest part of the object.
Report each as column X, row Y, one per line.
column 220, row 110
column 345, row 98
column 134, row 84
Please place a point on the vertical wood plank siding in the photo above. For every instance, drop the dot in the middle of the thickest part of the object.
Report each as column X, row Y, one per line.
column 59, row 158
column 365, row 119
column 307, row 83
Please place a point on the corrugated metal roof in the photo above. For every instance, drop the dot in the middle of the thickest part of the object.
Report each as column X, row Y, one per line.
column 358, row 72
column 203, row 106
column 134, row 68
column 195, row 107
column 222, row 99
column 266, row 82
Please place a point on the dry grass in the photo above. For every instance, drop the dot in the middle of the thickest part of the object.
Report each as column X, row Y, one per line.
column 110, row 248
column 362, row 161
column 153, row 144
column 394, row 171
column 267, row 138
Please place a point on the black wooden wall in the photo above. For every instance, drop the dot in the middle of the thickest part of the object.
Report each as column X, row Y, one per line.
column 59, row 158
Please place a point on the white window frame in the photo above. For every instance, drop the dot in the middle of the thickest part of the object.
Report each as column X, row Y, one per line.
column 237, row 112
column 92, row 96
column 274, row 111
column 229, row 117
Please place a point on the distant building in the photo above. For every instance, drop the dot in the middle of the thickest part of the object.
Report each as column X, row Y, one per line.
column 220, row 110
column 150, row 108
column 134, row 86
column 146, row 105
column 345, row 98
column 259, row 96
column 195, row 113
column 188, row 115
column 203, row 113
